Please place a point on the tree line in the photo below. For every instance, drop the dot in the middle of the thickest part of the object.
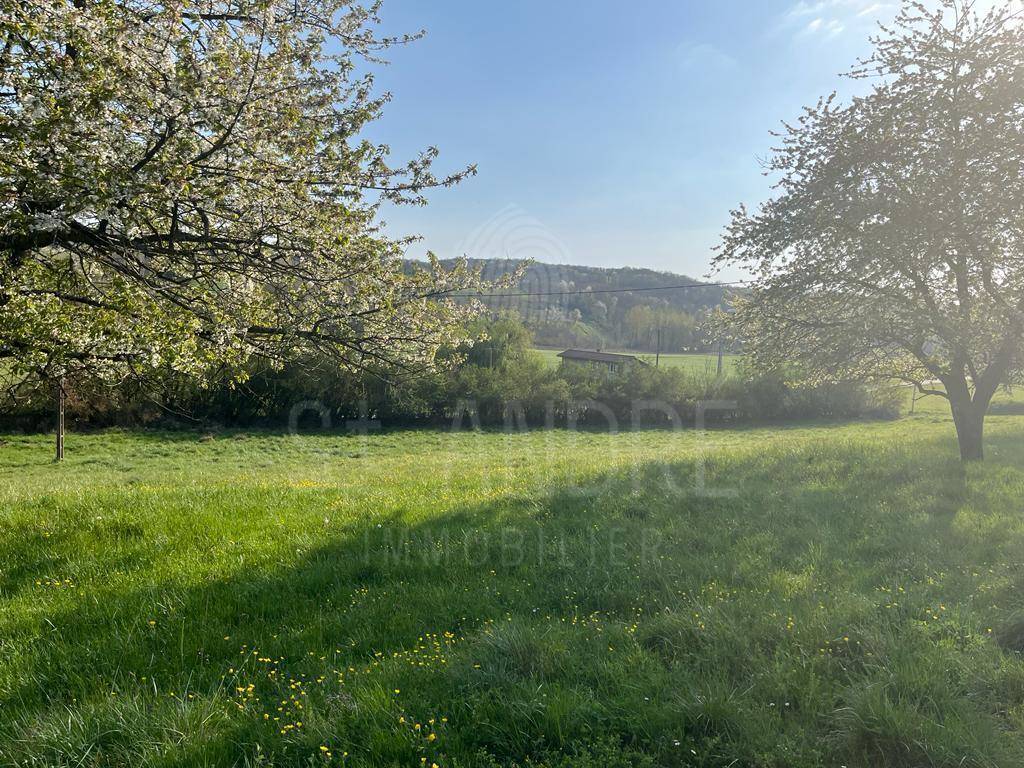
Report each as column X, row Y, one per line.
column 593, row 307
column 496, row 382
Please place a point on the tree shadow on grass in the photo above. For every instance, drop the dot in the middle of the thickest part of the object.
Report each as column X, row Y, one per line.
column 632, row 609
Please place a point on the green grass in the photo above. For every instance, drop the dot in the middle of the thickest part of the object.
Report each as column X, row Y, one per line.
column 550, row 599
column 695, row 363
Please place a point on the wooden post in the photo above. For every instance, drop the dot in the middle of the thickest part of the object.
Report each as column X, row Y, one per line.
column 60, row 420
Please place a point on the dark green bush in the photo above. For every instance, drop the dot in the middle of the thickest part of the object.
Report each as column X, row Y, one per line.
column 499, row 381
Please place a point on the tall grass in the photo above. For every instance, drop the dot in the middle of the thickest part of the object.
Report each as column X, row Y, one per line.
column 836, row 595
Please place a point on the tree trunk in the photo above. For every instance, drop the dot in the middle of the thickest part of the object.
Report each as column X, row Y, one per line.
column 60, row 421
column 969, row 418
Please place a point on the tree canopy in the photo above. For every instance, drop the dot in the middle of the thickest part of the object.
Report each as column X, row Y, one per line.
column 184, row 185
column 894, row 245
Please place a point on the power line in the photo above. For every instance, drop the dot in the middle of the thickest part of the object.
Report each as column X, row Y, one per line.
column 480, row 295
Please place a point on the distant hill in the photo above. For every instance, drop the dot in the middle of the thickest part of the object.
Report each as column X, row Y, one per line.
column 615, row 314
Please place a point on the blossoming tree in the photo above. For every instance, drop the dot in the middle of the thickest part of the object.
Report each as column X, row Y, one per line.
column 183, row 185
column 894, row 247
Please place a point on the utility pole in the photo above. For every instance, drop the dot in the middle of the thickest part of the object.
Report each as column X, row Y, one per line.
column 60, row 420
column 720, row 358
column 657, row 350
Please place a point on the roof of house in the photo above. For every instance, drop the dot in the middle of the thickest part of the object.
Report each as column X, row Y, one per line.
column 598, row 357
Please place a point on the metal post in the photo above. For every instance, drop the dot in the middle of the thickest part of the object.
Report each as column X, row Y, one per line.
column 60, row 419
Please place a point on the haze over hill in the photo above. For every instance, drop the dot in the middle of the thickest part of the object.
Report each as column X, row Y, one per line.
column 572, row 305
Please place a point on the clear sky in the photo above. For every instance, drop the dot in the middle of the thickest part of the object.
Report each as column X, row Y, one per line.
column 606, row 133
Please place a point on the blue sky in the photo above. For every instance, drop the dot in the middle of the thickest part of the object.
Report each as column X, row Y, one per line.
column 606, row 133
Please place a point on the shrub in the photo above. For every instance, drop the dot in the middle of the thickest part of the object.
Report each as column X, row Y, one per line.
column 500, row 379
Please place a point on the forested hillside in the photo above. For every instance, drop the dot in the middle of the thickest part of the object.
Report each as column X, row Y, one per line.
column 622, row 308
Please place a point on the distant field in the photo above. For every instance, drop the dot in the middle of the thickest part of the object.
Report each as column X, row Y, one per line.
column 542, row 600
column 695, row 363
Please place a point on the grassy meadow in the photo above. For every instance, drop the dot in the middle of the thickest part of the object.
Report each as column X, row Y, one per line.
column 693, row 363
column 829, row 595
